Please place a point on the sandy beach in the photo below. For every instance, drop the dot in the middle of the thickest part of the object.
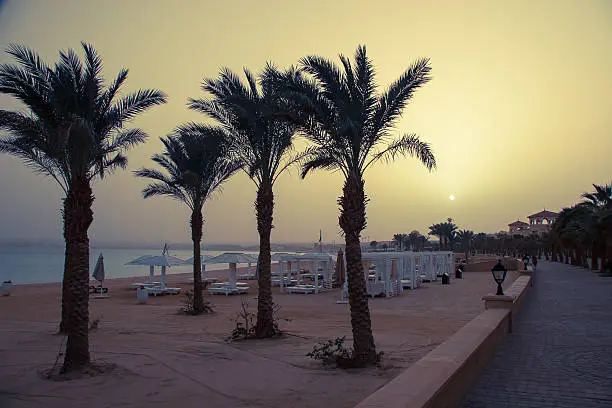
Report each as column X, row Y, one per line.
column 165, row 358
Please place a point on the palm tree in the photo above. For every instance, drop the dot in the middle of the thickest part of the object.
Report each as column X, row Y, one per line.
column 445, row 231
column 399, row 239
column 350, row 127
column 450, row 231
column 263, row 143
column 466, row 237
column 197, row 160
column 600, row 204
column 73, row 131
column 416, row 240
column 437, row 231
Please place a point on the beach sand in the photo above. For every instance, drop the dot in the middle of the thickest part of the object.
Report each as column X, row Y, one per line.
column 165, row 358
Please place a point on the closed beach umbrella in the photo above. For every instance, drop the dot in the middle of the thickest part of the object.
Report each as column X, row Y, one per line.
column 340, row 271
column 98, row 273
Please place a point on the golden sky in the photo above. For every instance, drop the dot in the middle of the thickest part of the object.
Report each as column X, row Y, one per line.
column 519, row 111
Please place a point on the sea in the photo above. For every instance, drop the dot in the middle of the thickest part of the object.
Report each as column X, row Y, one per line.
column 23, row 264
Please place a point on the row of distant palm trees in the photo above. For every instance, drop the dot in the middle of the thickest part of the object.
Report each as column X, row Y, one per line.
column 584, row 230
column 75, row 130
column 581, row 233
column 450, row 238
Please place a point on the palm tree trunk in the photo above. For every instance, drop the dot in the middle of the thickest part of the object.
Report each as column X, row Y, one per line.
column 196, row 236
column 65, row 278
column 353, row 221
column 264, row 207
column 78, row 217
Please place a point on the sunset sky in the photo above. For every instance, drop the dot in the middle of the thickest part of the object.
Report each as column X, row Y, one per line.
column 519, row 111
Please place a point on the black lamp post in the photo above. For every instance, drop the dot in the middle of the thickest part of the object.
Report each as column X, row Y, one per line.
column 499, row 275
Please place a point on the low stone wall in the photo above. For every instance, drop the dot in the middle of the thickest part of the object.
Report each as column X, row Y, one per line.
column 486, row 266
column 442, row 377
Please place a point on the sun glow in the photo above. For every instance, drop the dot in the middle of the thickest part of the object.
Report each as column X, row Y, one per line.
column 451, row 197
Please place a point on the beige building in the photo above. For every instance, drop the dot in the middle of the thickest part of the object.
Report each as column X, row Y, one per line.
column 538, row 223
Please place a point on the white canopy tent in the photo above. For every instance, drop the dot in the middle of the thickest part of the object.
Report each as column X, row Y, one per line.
column 231, row 258
column 152, row 261
column 316, row 260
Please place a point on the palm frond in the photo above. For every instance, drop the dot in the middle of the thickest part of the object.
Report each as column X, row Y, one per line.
column 408, row 145
column 159, row 189
column 392, row 102
column 318, row 158
column 36, row 160
column 137, row 102
column 126, row 139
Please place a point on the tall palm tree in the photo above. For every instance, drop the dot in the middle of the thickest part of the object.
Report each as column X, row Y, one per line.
column 197, row 160
column 73, row 131
column 445, row 231
column 415, row 240
column 450, row 230
column 466, row 237
column 437, row 231
column 399, row 239
column 350, row 126
column 263, row 143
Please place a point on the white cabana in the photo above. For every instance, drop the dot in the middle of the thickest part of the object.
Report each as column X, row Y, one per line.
column 276, row 275
column 385, row 280
column 164, row 261
column 426, row 267
column 231, row 258
column 318, row 261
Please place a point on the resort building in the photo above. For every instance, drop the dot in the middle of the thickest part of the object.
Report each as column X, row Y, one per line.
column 538, row 223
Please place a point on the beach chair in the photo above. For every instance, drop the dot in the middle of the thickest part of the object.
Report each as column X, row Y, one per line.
column 145, row 284
column 158, row 290
column 223, row 290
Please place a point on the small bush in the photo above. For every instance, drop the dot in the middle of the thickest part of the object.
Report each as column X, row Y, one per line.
column 335, row 353
column 246, row 322
column 187, row 305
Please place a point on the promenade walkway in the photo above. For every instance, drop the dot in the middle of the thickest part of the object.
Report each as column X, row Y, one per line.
column 560, row 352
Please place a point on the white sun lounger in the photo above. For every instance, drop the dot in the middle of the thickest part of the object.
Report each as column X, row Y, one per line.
column 205, row 280
column 158, row 290
column 277, row 281
column 145, row 284
column 306, row 289
column 226, row 290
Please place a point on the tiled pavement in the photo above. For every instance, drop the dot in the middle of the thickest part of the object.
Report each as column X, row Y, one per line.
column 560, row 352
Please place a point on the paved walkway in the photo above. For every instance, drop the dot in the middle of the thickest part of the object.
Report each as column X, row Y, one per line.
column 560, row 352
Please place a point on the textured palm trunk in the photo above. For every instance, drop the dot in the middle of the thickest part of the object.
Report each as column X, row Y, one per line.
column 352, row 221
column 196, row 236
column 264, row 207
column 78, row 216
column 65, row 278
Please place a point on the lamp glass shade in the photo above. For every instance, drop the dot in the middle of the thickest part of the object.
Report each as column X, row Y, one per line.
column 499, row 272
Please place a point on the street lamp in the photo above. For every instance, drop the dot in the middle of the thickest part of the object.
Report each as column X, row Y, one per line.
column 499, row 275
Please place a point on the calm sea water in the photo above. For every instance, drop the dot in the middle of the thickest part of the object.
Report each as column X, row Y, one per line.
column 39, row 264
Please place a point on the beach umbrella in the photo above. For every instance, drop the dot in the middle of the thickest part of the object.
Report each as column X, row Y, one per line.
column 158, row 260
column 231, row 258
column 340, row 271
column 202, row 259
column 98, row 273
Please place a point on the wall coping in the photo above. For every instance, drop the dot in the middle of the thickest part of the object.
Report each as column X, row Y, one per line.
column 441, row 378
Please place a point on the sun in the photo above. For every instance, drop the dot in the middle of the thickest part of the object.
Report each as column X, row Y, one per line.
column 451, row 197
